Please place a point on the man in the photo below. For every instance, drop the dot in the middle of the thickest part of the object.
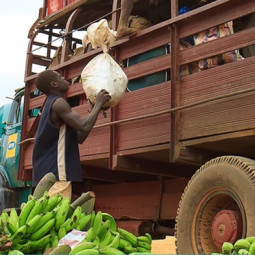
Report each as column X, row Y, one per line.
column 60, row 130
column 126, row 9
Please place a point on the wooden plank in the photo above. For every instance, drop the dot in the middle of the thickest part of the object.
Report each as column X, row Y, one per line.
column 222, row 116
column 219, row 46
column 148, row 67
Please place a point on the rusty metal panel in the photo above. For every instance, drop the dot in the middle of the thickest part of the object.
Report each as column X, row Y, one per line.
column 229, row 115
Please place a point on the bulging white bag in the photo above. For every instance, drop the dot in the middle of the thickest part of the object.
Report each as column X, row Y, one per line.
column 102, row 72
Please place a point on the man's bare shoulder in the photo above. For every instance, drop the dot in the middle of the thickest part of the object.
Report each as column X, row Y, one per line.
column 60, row 105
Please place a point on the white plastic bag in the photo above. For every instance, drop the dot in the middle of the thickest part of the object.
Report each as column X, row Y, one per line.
column 102, row 72
column 99, row 35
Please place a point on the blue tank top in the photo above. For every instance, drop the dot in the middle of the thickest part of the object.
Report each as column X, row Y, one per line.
column 56, row 149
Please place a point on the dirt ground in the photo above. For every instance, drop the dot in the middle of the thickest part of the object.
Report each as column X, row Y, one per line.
column 165, row 246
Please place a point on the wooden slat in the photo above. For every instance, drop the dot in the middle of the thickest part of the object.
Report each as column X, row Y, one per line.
column 148, row 67
column 219, row 46
column 220, row 117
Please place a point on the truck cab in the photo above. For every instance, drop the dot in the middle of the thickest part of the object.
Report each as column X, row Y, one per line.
column 13, row 191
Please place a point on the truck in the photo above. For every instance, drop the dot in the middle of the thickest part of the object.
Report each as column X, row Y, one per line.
column 13, row 191
column 176, row 155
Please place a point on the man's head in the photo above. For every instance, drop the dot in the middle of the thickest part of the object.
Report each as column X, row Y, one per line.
column 51, row 82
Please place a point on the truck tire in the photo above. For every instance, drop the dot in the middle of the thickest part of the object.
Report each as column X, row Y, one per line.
column 223, row 186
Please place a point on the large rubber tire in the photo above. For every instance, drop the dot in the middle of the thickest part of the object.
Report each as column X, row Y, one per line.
column 226, row 182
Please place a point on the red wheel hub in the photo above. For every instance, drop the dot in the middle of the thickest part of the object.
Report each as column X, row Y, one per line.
column 226, row 227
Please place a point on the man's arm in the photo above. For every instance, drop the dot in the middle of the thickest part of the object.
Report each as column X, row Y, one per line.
column 83, row 125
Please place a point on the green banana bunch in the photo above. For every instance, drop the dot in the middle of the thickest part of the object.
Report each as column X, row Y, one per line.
column 115, row 241
column 32, row 223
column 25, row 211
column 18, row 235
column 45, row 217
column 88, row 251
column 41, row 243
column 104, row 228
column 97, row 224
column 43, row 230
column 107, row 216
column 107, row 239
column 61, row 232
column 82, row 246
column 38, row 207
column 83, row 222
column 54, row 242
column 128, row 236
column 110, row 251
column 144, row 245
column 62, row 212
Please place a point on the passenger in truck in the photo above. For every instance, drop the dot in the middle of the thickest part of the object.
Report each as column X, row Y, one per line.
column 126, row 9
column 60, row 130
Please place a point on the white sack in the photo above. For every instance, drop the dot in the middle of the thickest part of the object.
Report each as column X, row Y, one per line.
column 99, row 35
column 102, row 72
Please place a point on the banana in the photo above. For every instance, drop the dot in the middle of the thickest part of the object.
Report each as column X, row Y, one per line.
column 143, row 250
column 52, row 202
column 110, row 251
column 83, row 222
column 107, row 239
column 61, row 232
column 144, row 245
column 93, row 215
column 47, row 246
column 53, row 232
column 14, row 218
column 25, row 212
column 123, row 243
column 67, row 225
column 128, row 236
column 96, row 240
column 241, row 244
column 143, row 239
column 82, row 246
column 97, row 224
column 107, row 216
column 103, row 229
column 250, row 239
column 115, row 242
column 149, row 237
column 18, row 235
column 76, row 216
column 11, row 228
column 15, row 252
column 43, row 230
column 32, row 223
column 88, row 251
column 128, row 249
column 243, row 252
column 26, row 247
column 36, row 209
column 89, row 235
column 44, row 218
column 252, row 248
column 62, row 212
column 227, row 248
column 41, row 243
column 54, row 242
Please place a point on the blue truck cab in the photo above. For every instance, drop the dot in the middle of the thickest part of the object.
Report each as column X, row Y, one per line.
column 12, row 191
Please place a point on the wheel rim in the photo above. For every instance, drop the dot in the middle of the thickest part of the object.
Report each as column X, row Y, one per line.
column 211, row 204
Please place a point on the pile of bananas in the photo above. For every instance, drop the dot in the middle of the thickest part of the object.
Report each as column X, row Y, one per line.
column 43, row 222
column 244, row 246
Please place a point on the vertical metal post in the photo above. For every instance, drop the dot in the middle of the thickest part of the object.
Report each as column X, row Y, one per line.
column 175, row 84
column 114, row 110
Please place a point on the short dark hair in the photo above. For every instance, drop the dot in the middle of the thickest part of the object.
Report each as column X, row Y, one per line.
column 44, row 80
